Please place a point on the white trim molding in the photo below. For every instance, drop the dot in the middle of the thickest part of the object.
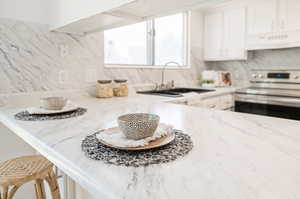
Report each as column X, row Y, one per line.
column 158, row 67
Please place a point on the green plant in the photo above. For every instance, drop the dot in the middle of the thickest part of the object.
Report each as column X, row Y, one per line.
column 208, row 81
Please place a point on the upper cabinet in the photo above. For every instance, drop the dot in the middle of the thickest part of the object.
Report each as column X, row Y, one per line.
column 82, row 17
column 213, row 36
column 258, row 24
column 273, row 24
column 289, row 18
column 224, row 34
column 234, row 34
column 262, row 17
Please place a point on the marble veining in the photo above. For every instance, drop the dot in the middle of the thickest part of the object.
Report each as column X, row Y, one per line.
column 32, row 60
column 235, row 155
column 261, row 59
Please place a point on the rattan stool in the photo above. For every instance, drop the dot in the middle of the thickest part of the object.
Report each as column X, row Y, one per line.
column 16, row 172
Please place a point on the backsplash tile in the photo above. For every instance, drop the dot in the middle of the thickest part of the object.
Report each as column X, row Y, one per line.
column 262, row 59
column 31, row 60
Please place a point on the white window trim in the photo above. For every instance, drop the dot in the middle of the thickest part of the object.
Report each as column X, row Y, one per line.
column 144, row 66
column 151, row 48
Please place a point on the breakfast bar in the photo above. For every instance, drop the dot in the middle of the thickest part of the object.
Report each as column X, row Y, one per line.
column 234, row 156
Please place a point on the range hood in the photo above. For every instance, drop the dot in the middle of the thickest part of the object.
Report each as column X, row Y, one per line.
column 85, row 17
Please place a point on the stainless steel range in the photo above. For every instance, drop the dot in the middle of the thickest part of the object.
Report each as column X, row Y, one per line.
column 273, row 93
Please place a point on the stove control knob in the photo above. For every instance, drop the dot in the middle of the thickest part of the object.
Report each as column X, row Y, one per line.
column 254, row 76
column 261, row 76
column 296, row 77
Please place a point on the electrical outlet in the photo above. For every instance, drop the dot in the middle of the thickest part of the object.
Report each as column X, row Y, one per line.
column 91, row 75
column 64, row 50
column 63, row 76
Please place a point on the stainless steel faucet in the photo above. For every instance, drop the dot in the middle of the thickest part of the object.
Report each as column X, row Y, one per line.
column 162, row 85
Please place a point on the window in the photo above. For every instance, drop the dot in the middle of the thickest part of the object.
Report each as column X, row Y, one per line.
column 126, row 45
column 154, row 42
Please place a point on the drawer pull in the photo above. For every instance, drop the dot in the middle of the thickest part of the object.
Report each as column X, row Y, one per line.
column 212, row 106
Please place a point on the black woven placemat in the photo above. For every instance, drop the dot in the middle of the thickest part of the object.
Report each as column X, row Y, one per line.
column 26, row 116
column 181, row 146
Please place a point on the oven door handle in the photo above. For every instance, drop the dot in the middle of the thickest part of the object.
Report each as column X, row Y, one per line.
column 285, row 101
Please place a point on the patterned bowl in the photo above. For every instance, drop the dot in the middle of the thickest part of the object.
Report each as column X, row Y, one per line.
column 53, row 103
column 137, row 126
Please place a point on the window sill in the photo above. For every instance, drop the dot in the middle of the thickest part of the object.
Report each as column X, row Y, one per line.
column 131, row 66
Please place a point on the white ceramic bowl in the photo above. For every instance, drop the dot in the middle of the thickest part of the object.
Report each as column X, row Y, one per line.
column 53, row 103
column 137, row 126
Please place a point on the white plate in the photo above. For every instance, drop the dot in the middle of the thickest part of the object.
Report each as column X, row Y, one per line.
column 40, row 111
column 162, row 141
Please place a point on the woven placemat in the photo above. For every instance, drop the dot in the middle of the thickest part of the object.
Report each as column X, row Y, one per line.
column 26, row 116
column 181, row 146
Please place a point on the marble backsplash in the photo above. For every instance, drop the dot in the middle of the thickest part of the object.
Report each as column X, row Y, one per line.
column 263, row 59
column 32, row 59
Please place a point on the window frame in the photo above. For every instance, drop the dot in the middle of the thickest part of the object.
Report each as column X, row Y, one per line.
column 151, row 47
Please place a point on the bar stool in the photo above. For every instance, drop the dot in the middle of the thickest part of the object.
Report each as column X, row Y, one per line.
column 16, row 172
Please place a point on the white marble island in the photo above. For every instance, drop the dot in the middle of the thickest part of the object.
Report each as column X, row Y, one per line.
column 234, row 156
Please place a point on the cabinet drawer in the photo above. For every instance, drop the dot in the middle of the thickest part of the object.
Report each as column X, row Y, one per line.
column 226, row 102
column 220, row 102
column 217, row 102
column 211, row 103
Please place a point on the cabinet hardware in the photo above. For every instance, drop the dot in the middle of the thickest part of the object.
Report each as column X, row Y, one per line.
column 212, row 106
column 273, row 25
column 282, row 24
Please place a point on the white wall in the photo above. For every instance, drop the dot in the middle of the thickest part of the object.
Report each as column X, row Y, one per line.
column 26, row 10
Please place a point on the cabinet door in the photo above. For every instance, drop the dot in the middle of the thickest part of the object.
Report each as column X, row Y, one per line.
column 234, row 33
column 262, row 17
column 289, row 18
column 226, row 102
column 212, row 103
column 213, row 36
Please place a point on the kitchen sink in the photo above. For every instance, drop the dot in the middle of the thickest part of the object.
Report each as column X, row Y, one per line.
column 174, row 92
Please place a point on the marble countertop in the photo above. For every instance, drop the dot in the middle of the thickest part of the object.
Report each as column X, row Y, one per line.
column 235, row 155
column 32, row 99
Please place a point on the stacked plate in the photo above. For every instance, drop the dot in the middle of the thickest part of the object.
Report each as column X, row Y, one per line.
column 53, row 105
column 139, row 131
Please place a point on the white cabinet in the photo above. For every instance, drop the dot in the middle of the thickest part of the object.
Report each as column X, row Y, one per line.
column 219, row 102
column 224, row 35
column 289, row 15
column 213, row 36
column 273, row 24
column 262, row 17
column 222, row 102
column 234, row 34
